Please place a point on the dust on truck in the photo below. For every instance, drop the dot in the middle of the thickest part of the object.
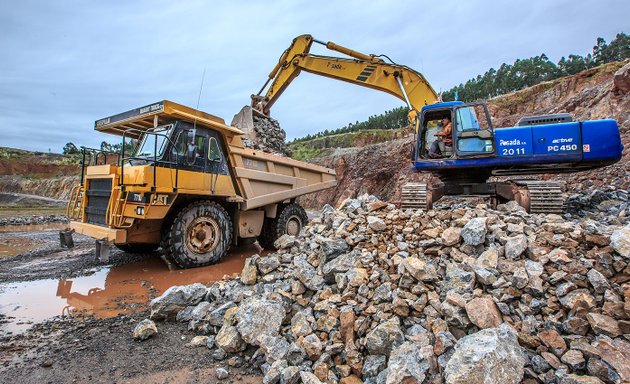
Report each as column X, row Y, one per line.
column 190, row 186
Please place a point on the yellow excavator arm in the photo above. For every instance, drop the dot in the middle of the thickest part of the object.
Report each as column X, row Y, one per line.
column 365, row 70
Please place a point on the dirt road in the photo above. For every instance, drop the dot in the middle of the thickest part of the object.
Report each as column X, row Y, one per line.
column 64, row 317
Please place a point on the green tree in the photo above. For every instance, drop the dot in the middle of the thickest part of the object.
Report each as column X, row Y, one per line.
column 70, row 149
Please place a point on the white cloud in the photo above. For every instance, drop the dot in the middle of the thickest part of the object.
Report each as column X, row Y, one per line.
column 66, row 64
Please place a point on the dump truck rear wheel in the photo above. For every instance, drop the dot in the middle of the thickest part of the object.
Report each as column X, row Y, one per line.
column 291, row 219
column 200, row 235
column 137, row 248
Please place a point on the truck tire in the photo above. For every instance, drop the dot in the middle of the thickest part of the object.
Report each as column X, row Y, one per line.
column 137, row 248
column 290, row 220
column 166, row 242
column 200, row 235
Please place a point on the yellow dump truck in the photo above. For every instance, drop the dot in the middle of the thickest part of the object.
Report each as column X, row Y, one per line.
column 189, row 186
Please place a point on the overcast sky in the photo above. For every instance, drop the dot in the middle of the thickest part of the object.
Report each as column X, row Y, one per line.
column 66, row 64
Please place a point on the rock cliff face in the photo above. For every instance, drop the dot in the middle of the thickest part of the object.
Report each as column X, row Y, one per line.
column 598, row 93
column 58, row 188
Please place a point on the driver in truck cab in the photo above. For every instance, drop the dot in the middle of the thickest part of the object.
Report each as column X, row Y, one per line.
column 444, row 138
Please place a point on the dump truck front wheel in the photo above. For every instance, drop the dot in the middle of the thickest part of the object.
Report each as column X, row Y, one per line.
column 200, row 235
column 137, row 248
column 290, row 220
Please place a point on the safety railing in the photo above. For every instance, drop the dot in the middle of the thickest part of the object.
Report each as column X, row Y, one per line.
column 93, row 156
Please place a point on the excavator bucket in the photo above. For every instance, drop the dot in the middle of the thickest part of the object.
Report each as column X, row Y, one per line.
column 261, row 131
column 244, row 120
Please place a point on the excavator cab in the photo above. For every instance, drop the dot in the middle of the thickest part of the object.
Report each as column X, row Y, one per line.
column 472, row 133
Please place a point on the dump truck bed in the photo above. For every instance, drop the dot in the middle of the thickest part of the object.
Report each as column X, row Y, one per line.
column 261, row 178
column 264, row 178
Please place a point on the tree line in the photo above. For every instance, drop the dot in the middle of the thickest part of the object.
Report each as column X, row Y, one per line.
column 71, row 148
column 527, row 72
column 508, row 78
column 392, row 119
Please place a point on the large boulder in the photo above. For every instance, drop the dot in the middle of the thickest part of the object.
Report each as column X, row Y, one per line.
column 614, row 352
column 301, row 323
column 334, row 247
column 407, row 364
column 249, row 274
column 257, row 317
column 376, row 224
column 483, row 312
column 385, row 337
column 488, row 356
column 620, row 241
column 451, row 236
column 175, row 299
column 312, row 346
column 144, row 329
column 420, row 269
column 515, row 246
column 229, row 339
column 268, row 264
column 338, row 265
column 457, row 279
column 372, row 365
column 474, row 232
column 307, row 275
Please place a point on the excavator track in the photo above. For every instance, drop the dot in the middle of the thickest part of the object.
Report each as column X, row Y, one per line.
column 416, row 196
column 541, row 196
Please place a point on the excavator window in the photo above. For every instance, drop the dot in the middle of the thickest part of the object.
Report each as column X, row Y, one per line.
column 473, row 130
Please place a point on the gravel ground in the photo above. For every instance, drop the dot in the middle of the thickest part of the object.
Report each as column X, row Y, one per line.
column 80, row 349
column 103, row 351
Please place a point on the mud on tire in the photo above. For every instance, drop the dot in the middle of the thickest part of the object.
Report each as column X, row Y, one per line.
column 201, row 234
column 290, row 220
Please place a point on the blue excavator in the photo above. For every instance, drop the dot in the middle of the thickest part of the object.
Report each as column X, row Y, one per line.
column 454, row 140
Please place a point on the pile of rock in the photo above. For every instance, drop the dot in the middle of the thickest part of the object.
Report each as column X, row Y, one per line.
column 604, row 204
column 267, row 136
column 370, row 293
column 33, row 220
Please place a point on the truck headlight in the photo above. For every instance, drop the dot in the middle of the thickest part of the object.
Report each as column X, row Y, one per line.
column 140, row 211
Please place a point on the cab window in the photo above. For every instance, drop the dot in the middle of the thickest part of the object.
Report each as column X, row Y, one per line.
column 214, row 151
column 467, row 120
column 181, row 147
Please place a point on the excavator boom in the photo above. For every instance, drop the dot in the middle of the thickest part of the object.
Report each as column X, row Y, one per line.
column 360, row 69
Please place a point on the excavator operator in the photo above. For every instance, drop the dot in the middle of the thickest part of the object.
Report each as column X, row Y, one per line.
column 444, row 138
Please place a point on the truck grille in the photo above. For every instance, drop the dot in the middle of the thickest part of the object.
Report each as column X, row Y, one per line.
column 98, row 194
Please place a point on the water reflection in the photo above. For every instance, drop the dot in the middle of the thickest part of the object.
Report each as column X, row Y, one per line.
column 107, row 292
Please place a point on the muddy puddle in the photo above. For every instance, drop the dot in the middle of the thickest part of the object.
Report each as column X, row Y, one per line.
column 105, row 293
column 20, row 242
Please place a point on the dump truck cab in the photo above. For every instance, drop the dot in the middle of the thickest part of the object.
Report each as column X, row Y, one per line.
column 189, row 186
column 182, row 143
